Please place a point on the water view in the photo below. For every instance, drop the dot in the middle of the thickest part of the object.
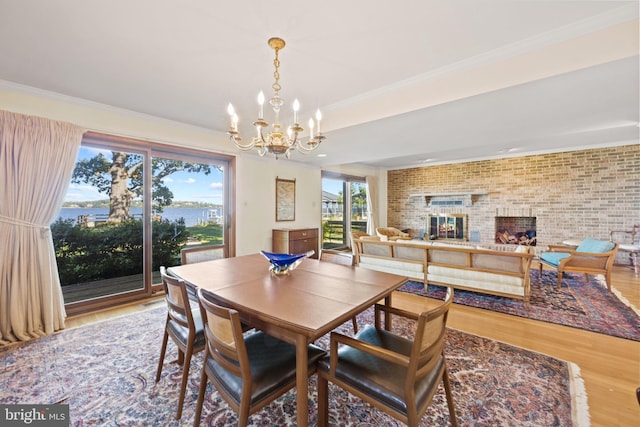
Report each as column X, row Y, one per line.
column 192, row 216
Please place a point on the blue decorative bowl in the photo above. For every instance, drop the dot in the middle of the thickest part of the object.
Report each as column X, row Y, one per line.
column 282, row 264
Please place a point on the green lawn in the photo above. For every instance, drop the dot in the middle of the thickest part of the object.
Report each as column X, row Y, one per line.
column 206, row 234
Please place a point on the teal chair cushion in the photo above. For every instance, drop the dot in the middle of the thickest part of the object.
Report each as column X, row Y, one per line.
column 595, row 246
column 553, row 258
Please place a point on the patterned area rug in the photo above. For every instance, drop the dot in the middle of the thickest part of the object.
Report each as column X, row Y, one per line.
column 106, row 372
column 579, row 304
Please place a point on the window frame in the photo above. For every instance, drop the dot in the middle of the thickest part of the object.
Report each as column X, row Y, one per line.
column 149, row 149
column 346, row 203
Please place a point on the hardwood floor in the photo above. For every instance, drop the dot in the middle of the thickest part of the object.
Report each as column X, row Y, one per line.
column 609, row 366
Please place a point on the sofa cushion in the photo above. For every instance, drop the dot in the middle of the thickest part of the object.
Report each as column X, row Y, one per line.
column 595, row 246
column 414, row 270
column 477, row 280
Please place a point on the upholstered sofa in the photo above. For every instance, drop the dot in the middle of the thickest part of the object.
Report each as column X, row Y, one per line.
column 504, row 273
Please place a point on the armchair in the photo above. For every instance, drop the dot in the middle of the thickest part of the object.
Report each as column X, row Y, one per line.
column 592, row 256
column 392, row 373
column 392, row 234
column 249, row 371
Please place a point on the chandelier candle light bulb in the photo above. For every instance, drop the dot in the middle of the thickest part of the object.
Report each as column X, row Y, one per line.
column 274, row 142
column 261, row 103
column 318, row 118
column 296, row 107
column 311, row 128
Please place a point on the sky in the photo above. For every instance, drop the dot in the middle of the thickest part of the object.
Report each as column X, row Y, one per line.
column 186, row 186
column 331, row 185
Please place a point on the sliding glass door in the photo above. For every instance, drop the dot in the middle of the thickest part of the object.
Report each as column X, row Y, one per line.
column 344, row 209
column 131, row 208
column 98, row 236
column 188, row 208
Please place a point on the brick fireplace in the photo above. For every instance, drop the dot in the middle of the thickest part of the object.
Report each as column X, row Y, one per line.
column 516, row 230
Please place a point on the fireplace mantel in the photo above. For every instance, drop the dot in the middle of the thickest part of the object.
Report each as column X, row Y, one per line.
column 465, row 198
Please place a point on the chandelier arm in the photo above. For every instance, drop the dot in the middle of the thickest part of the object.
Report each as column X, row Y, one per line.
column 293, row 142
column 244, row 147
column 264, row 141
column 310, row 145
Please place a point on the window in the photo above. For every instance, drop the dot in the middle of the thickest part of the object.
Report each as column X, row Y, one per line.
column 344, row 209
column 131, row 208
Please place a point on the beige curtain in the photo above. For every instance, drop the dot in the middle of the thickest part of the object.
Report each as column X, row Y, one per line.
column 37, row 157
column 372, row 204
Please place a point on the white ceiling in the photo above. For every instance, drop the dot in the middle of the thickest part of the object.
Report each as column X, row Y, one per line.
column 398, row 82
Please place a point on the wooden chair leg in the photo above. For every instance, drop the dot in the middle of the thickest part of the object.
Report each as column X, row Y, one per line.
column 162, row 353
column 243, row 415
column 607, row 279
column 203, row 388
column 185, row 379
column 355, row 325
column 450, row 403
column 559, row 280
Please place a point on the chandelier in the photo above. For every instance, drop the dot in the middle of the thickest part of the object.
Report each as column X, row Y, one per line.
column 276, row 141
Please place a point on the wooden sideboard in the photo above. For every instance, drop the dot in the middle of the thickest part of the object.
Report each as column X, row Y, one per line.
column 295, row 241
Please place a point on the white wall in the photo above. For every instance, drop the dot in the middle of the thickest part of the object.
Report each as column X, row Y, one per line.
column 255, row 176
column 256, row 192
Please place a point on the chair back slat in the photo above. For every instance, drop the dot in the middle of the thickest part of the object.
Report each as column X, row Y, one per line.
column 177, row 299
column 225, row 340
column 429, row 341
column 221, row 328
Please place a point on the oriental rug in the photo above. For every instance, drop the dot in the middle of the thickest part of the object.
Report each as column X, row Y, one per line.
column 105, row 372
column 579, row 304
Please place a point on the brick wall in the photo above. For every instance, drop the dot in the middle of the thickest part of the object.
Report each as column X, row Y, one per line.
column 573, row 195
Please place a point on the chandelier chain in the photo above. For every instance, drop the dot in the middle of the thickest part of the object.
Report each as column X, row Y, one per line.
column 276, row 74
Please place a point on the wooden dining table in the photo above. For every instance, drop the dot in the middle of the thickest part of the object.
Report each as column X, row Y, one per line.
column 299, row 308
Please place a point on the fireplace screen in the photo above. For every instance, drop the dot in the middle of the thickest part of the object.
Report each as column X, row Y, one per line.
column 448, row 226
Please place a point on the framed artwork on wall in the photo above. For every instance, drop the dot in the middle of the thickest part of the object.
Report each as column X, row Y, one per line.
column 285, row 199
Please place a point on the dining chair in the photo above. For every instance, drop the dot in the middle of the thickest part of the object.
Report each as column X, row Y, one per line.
column 184, row 325
column 394, row 374
column 191, row 254
column 248, row 370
